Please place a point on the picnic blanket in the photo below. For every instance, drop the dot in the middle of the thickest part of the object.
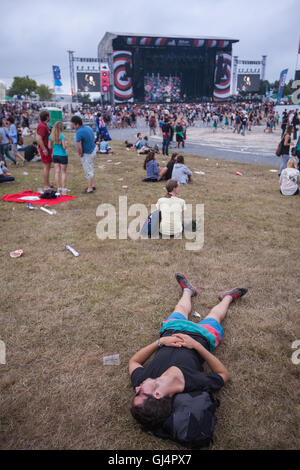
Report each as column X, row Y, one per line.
column 34, row 198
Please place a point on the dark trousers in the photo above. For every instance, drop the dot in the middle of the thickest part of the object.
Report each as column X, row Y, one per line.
column 5, row 179
column 165, row 146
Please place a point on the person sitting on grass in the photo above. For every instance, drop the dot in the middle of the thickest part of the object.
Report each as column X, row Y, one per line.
column 172, row 209
column 105, row 148
column 180, row 172
column 128, row 145
column 145, row 148
column 139, row 142
column 170, row 166
column 153, row 171
column 180, row 352
column 31, row 152
column 290, row 179
column 4, row 177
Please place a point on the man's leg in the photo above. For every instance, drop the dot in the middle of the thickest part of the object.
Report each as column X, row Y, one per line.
column 184, row 305
column 226, row 298
column 46, row 175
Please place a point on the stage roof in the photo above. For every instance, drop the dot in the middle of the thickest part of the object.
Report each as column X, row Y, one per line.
column 174, row 36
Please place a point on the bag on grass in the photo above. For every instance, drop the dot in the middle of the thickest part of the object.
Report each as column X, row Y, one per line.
column 192, row 421
column 48, row 194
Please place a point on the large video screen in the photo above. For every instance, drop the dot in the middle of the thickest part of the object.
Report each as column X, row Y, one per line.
column 88, row 82
column 248, row 82
column 162, row 89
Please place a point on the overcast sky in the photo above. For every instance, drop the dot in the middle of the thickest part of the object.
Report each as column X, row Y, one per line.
column 35, row 35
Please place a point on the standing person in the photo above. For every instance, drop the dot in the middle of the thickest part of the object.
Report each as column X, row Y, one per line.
column 60, row 156
column 286, row 149
column 152, row 124
column 166, row 131
column 13, row 135
column 4, row 144
column 43, row 134
column 295, row 124
column 284, row 122
column 244, row 121
column 179, row 134
column 86, row 148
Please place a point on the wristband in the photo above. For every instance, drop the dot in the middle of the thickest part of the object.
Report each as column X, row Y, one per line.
column 160, row 345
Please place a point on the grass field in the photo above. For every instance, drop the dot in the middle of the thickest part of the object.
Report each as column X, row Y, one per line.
column 60, row 315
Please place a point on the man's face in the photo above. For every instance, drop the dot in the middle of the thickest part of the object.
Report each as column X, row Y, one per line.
column 74, row 126
column 146, row 389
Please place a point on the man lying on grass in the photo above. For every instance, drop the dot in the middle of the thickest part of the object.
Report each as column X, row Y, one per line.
column 182, row 349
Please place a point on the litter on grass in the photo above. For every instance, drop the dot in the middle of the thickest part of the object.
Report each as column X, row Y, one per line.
column 239, row 174
column 53, row 212
column 113, row 360
column 124, row 187
column 30, row 206
column 16, row 254
column 196, row 315
column 273, row 171
column 199, row 172
column 101, row 166
column 74, row 252
column 118, row 163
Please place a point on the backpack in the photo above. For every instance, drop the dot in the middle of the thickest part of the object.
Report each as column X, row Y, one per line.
column 151, row 225
column 48, row 194
column 279, row 149
column 192, row 421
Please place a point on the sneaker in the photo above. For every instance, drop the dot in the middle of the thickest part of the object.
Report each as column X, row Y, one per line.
column 88, row 192
column 185, row 284
column 234, row 293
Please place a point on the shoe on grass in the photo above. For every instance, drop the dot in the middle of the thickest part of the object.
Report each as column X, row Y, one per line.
column 234, row 293
column 185, row 284
column 86, row 191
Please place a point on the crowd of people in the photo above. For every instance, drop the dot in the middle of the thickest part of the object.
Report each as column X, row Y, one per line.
column 19, row 119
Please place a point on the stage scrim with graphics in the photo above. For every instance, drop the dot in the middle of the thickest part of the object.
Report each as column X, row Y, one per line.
column 168, row 69
column 162, row 89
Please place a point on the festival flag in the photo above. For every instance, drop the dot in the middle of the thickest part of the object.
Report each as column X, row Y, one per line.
column 282, row 81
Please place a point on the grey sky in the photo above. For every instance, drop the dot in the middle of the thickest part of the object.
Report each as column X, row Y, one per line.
column 35, row 35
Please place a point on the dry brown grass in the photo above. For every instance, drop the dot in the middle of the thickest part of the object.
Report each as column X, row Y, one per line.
column 60, row 314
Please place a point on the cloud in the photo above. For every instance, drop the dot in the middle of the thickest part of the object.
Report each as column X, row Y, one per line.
column 37, row 35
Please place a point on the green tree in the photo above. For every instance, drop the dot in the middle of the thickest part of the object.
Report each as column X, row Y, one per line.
column 22, row 86
column 44, row 92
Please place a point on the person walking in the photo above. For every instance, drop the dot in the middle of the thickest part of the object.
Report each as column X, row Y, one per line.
column 86, row 148
column 166, row 131
column 4, row 144
column 13, row 135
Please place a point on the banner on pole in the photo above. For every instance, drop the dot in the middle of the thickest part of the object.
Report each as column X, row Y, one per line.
column 282, row 81
column 56, row 76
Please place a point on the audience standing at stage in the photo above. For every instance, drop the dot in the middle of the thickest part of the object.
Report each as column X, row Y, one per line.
column 286, row 148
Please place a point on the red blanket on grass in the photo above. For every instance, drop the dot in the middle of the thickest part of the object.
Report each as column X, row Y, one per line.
column 21, row 197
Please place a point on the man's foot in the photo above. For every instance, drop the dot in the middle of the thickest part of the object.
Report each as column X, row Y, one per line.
column 88, row 192
column 234, row 293
column 185, row 284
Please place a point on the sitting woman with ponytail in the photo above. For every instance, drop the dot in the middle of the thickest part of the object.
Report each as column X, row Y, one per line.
column 153, row 171
column 172, row 210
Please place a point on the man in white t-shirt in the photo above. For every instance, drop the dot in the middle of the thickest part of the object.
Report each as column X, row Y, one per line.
column 172, row 209
column 290, row 179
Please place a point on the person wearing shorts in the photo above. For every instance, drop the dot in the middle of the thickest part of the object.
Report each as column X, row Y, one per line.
column 42, row 134
column 60, row 157
column 85, row 143
column 180, row 352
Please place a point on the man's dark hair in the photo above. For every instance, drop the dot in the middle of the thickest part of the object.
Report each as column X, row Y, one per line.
column 34, row 142
column 152, row 412
column 11, row 120
column 77, row 120
column 44, row 115
column 180, row 159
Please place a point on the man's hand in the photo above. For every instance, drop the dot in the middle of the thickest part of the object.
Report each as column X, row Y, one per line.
column 171, row 341
column 186, row 341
